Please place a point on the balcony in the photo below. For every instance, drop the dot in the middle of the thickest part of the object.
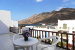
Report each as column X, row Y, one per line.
column 6, row 39
column 6, row 42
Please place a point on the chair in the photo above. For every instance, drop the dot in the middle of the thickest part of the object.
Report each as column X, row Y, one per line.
column 17, row 36
column 25, row 28
column 43, row 46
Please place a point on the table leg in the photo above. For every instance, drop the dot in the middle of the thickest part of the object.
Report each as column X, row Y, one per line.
column 28, row 48
column 36, row 47
column 23, row 48
column 15, row 48
column 31, row 47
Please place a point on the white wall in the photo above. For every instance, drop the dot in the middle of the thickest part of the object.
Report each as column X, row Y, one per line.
column 6, row 22
column 5, row 18
column 11, row 23
column 14, row 23
column 70, row 24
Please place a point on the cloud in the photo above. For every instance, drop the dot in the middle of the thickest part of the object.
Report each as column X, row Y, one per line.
column 38, row 0
column 58, row 8
column 65, row 0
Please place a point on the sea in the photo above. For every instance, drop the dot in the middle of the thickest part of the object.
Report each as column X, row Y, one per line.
column 30, row 25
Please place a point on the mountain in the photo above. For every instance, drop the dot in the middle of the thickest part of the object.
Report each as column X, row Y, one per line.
column 50, row 17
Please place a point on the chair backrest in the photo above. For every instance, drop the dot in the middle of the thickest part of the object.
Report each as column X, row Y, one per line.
column 17, row 36
column 56, row 39
column 25, row 28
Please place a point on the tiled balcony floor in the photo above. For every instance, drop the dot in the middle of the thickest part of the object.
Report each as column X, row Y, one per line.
column 6, row 42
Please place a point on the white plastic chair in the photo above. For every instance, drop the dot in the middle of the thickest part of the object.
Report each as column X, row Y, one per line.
column 25, row 28
column 43, row 46
column 17, row 36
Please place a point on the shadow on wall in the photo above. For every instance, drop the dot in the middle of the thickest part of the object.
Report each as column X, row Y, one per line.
column 3, row 28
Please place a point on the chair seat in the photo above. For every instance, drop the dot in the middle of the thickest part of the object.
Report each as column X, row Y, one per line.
column 48, row 48
column 41, row 46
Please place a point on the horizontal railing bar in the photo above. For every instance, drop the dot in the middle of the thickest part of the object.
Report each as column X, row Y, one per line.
column 55, row 32
column 43, row 30
column 68, row 33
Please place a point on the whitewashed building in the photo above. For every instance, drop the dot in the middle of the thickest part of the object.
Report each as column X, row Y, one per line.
column 66, row 25
column 6, row 22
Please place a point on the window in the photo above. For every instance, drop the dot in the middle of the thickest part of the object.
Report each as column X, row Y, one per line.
column 68, row 27
column 72, row 28
column 64, row 26
column 59, row 27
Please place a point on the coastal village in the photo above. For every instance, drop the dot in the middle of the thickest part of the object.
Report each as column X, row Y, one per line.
column 37, row 24
column 65, row 27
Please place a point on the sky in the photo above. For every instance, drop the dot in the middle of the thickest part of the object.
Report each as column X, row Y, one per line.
column 23, row 9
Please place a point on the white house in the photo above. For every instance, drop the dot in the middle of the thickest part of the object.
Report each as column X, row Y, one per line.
column 6, row 22
column 67, row 25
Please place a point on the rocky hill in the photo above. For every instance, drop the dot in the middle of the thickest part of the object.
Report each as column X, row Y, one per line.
column 50, row 17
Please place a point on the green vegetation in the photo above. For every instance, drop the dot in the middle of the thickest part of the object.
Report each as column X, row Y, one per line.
column 58, row 34
column 64, row 35
column 50, row 42
column 64, row 44
column 39, row 26
column 22, row 25
column 59, row 43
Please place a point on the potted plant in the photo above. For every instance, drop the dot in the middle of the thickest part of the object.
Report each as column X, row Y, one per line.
column 26, row 34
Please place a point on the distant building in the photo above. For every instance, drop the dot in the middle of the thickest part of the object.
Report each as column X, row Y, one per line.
column 66, row 25
column 43, row 26
column 6, row 22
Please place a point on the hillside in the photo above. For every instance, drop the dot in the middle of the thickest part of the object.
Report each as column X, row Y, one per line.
column 50, row 17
